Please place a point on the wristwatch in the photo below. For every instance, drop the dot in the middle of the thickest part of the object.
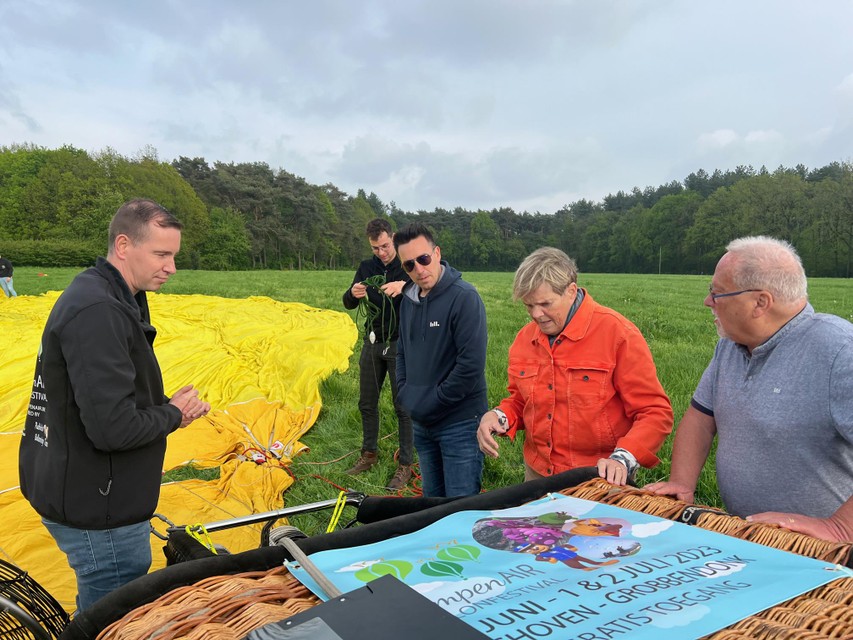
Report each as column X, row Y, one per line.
column 501, row 417
column 626, row 458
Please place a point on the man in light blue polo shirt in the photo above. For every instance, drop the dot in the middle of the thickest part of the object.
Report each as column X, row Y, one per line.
column 778, row 396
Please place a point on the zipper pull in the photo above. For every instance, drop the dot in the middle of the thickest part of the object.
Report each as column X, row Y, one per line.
column 107, row 492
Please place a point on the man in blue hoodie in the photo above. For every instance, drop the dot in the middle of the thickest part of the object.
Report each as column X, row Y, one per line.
column 441, row 360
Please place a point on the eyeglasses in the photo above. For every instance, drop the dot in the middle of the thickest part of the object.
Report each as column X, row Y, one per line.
column 424, row 260
column 714, row 296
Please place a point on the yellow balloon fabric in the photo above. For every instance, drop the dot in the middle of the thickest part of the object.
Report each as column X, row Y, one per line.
column 259, row 363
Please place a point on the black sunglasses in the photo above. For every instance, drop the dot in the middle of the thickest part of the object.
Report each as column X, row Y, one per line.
column 424, row 260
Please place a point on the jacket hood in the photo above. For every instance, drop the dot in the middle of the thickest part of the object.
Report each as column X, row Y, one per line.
column 449, row 275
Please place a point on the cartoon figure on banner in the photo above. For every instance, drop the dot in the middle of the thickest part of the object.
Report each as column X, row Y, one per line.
column 559, row 537
column 529, row 530
column 593, row 527
column 603, row 537
column 565, row 553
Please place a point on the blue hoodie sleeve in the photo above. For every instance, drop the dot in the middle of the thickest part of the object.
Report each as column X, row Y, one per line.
column 470, row 336
column 401, row 355
column 401, row 367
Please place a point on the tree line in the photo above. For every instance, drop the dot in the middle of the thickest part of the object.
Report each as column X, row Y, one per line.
column 55, row 206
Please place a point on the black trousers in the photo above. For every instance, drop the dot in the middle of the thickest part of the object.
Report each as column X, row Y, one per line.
column 376, row 361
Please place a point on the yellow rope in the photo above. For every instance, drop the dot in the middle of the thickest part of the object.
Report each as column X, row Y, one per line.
column 199, row 533
column 336, row 514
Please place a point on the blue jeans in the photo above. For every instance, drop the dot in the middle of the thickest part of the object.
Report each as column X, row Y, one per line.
column 450, row 459
column 7, row 287
column 103, row 559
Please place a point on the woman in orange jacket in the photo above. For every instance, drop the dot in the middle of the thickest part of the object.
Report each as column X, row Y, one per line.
column 582, row 382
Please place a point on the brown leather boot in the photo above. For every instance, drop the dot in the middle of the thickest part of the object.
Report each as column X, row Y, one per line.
column 401, row 477
column 366, row 460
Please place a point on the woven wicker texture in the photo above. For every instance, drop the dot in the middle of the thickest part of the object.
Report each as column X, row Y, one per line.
column 664, row 507
column 221, row 607
column 822, row 613
column 228, row 607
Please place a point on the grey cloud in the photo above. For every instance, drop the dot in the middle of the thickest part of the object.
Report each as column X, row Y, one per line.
column 394, row 60
column 478, row 103
column 498, row 32
column 10, row 105
column 517, row 173
column 503, row 174
column 437, row 177
column 54, row 25
column 372, row 159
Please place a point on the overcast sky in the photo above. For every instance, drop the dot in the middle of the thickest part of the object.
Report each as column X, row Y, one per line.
column 432, row 103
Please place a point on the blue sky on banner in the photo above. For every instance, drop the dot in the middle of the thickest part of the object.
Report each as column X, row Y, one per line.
column 439, row 103
column 574, row 569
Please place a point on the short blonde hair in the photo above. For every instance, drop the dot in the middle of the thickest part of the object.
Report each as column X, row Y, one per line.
column 544, row 266
column 762, row 262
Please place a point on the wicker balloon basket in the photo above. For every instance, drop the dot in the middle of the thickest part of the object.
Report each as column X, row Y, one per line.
column 229, row 607
column 223, row 607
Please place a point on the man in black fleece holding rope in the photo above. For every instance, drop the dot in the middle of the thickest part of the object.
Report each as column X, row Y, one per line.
column 375, row 291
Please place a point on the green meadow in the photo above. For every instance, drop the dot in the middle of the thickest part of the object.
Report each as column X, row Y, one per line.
column 667, row 309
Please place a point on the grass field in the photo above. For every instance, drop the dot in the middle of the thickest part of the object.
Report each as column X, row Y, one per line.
column 667, row 309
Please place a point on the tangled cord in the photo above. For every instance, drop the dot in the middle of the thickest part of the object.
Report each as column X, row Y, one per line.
column 370, row 311
column 413, row 488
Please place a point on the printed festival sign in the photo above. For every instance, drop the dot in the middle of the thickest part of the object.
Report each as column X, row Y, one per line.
column 571, row 569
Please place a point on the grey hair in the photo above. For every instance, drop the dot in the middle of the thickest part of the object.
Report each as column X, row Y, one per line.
column 544, row 266
column 767, row 263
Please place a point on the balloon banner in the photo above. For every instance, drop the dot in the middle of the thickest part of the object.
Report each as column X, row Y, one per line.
column 572, row 569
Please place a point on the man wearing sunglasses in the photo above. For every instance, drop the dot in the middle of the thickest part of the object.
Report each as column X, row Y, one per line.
column 441, row 360
column 777, row 396
column 379, row 350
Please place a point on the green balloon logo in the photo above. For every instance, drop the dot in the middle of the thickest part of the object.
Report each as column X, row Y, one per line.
column 441, row 569
column 559, row 517
column 459, row 553
column 397, row 568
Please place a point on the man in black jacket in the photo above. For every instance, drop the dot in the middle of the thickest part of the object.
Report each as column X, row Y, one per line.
column 379, row 350
column 441, row 361
column 94, row 440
